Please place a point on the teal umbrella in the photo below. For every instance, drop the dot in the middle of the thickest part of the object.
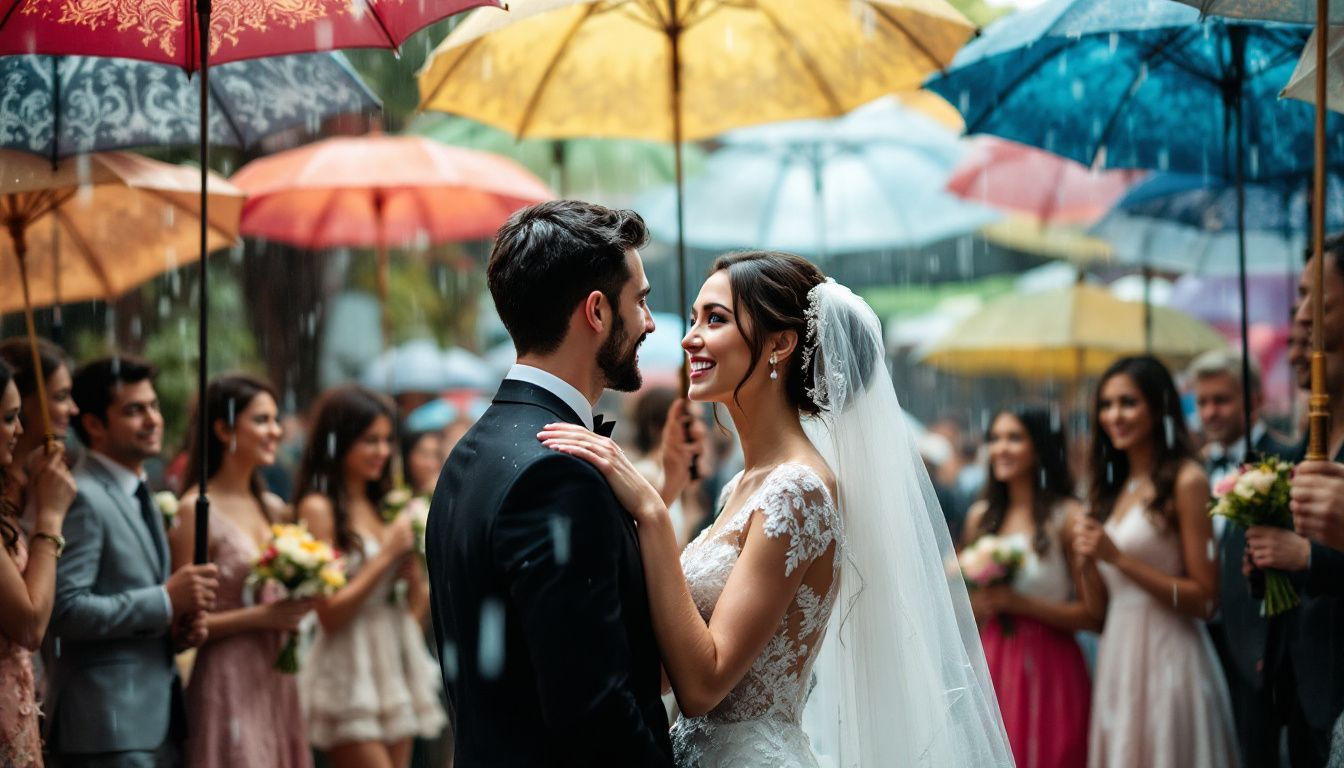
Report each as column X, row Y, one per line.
column 609, row 171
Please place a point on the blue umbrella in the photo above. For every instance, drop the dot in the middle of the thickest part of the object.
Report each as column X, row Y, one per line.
column 57, row 106
column 1143, row 84
column 869, row 181
column 1182, row 223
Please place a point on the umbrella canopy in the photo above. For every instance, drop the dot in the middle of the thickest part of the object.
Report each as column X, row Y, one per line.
column 239, row 29
column 603, row 170
column 57, row 106
column 1302, row 85
column 583, row 68
column 1180, row 223
column 420, row 366
column 1065, row 333
column 864, row 182
column 1299, row 11
column 1051, row 189
column 120, row 218
column 324, row 195
column 1139, row 84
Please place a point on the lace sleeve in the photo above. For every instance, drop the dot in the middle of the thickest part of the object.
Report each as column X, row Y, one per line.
column 795, row 503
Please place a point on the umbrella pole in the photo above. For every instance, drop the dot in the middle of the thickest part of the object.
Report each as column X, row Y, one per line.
column 201, row 553
column 1147, row 310
column 674, row 31
column 1318, row 423
column 21, row 253
column 1237, row 38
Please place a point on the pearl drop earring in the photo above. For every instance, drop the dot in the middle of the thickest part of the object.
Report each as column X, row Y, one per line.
column 774, row 374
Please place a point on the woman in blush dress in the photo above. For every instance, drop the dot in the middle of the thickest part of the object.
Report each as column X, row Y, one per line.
column 1148, row 570
column 369, row 685
column 27, row 579
column 1038, row 670
column 241, row 710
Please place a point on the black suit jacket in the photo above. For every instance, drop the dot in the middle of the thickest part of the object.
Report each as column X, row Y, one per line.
column 1244, row 628
column 539, row 601
column 1306, row 642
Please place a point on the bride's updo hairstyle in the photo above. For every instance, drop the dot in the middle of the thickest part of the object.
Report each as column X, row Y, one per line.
column 772, row 289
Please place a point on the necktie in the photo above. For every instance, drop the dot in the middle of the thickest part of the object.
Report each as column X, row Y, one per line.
column 601, row 426
column 151, row 516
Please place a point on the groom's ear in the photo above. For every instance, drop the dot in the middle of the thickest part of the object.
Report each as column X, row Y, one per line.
column 597, row 311
column 783, row 344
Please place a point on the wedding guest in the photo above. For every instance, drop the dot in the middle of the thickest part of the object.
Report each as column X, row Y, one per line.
column 27, row 578
column 1149, row 572
column 61, row 408
column 241, row 710
column 659, row 455
column 1302, row 664
column 368, row 686
column 1238, row 631
column 113, row 693
column 1038, row 670
column 422, row 455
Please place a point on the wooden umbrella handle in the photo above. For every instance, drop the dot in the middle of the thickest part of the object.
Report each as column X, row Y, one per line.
column 16, row 232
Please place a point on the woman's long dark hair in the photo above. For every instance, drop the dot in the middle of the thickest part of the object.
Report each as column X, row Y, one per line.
column 226, row 397
column 1172, row 445
column 343, row 414
column 1054, row 483
column 9, row 513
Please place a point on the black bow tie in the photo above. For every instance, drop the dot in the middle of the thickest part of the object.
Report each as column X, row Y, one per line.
column 601, row 426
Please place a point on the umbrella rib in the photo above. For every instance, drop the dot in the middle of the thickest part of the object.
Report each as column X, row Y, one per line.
column 319, row 224
column 86, row 252
column 913, row 38
column 973, row 126
column 391, row 43
column 546, row 75
column 808, row 64
column 228, row 116
column 1129, row 95
column 198, row 214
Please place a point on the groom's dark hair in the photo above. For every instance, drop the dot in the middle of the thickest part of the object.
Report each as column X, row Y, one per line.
column 547, row 258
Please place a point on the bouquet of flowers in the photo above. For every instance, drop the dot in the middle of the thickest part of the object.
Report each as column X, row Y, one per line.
column 1258, row 494
column 398, row 502
column 990, row 561
column 301, row 567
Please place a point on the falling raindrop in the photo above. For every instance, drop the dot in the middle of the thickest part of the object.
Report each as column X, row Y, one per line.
column 490, row 651
column 136, row 327
column 1169, row 428
column 448, row 659
column 1110, row 472
column 560, row 527
column 1211, row 551
column 323, row 35
column 331, row 445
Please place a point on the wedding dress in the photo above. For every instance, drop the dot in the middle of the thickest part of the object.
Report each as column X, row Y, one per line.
column 877, row 661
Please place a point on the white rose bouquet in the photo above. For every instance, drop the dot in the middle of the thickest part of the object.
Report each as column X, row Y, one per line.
column 302, row 567
column 989, row 561
column 1258, row 494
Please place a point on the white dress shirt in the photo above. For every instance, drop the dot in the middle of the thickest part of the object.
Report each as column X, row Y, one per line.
column 556, row 386
column 129, row 483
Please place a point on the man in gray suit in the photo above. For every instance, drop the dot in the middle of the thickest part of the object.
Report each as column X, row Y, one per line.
column 113, row 697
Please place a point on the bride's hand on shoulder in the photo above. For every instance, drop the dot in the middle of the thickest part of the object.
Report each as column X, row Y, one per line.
column 635, row 493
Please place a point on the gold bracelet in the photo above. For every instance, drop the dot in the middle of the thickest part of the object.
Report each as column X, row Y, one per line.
column 56, row 539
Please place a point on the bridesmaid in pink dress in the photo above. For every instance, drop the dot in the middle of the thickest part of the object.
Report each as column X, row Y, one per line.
column 27, row 580
column 1149, row 571
column 241, row 710
column 1038, row 670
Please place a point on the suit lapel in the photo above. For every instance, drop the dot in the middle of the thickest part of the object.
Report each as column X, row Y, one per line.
column 526, row 393
column 130, row 511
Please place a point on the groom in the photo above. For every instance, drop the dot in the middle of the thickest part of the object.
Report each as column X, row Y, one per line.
column 539, row 600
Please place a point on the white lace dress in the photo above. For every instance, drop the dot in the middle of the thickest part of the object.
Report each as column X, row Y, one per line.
column 759, row 722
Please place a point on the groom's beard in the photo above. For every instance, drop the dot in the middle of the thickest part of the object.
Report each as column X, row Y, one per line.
column 618, row 359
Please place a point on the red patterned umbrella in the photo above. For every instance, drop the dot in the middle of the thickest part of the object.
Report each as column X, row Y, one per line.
column 192, row 33
column 169, row 33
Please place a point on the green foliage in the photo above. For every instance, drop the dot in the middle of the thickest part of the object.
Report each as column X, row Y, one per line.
column 172, row 346
column 391, row 76
column 430, row 295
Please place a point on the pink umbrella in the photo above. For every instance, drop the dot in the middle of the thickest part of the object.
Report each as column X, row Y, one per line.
column 1026, row 180
column 382, row 192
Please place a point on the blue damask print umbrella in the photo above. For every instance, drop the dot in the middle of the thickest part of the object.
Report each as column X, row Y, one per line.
column 57, row 106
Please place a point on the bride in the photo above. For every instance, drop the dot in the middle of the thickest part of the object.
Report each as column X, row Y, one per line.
column 815, row 623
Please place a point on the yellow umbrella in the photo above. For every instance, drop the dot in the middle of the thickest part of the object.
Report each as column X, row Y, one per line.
column 1027, row 233
column 681, row 70
column 1065, row 334
column 98, row 225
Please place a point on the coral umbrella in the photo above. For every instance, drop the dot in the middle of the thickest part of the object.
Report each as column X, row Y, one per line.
column 325, row 195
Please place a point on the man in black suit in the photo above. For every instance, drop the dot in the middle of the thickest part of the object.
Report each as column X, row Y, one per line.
column 538, row 592
column 1238, row 632
column 1304, row 665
